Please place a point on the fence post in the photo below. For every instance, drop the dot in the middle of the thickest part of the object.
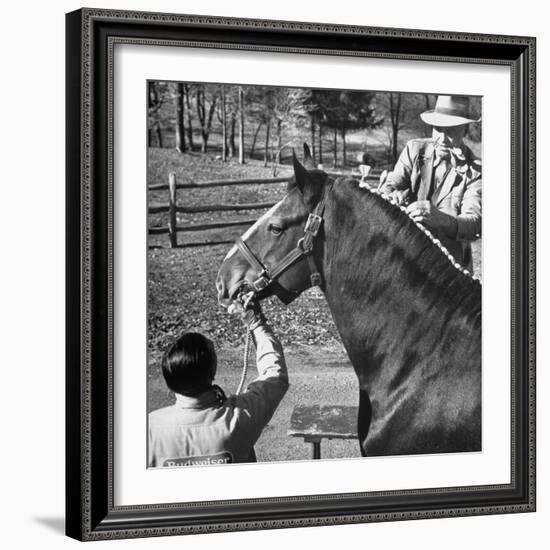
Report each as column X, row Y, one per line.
column 172, row 220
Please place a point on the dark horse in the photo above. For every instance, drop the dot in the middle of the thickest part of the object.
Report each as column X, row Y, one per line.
column 408, row 315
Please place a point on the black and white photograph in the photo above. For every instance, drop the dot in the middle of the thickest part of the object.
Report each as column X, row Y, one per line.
column 301, row 274
column 314, row 276
column 270, row 275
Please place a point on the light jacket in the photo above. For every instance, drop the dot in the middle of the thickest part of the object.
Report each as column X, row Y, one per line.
column 212, row 429
column 459, row 195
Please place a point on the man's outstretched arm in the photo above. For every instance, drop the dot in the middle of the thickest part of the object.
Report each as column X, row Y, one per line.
column 257, row 404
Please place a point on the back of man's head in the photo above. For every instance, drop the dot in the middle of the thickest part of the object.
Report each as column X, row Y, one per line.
column 189, row 364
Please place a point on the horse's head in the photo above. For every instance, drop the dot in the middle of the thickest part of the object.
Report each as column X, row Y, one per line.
column 276, row 254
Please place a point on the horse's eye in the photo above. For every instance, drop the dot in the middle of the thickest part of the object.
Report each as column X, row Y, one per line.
column 275, row 229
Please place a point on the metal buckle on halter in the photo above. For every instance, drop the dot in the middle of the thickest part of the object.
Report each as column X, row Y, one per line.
column 313, row 224
column 263, row 281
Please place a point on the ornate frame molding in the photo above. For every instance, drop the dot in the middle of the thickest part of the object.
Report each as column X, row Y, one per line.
column 91, row 36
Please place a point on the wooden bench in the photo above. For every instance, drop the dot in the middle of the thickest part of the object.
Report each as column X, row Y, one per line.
column 317, row 422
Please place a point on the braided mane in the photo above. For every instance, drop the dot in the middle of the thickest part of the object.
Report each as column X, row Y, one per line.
column 386, row 202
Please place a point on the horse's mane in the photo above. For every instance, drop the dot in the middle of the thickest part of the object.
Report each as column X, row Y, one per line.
column 407, row 235
column 399, row 215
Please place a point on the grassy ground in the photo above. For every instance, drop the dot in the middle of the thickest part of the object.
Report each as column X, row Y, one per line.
column 182, row 297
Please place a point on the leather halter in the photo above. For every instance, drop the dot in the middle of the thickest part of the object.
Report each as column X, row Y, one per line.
column 304, row 248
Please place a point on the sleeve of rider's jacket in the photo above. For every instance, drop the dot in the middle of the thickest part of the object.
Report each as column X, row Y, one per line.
column 256, row 406
column 399, row 178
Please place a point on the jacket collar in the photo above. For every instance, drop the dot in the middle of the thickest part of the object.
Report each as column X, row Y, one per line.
column 214, row 396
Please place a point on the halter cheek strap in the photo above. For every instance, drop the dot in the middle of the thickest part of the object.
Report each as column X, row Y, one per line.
column 263, row 279
column 304, row 247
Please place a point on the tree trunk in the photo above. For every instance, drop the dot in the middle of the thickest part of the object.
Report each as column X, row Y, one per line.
column 153, row 95
column 320, row 133
column 189, row 117
column 395, row 114
column 279, row 140
column 149, row 138
column 335, row 148
column 201, row 116
column 224, row 127
column 427, row 101
column 211, row 112
column 344, row 146
column 232, row 134
column 241, row 125
column 313, row 152
column 251, row 154
column 266, row 150
column 180, row 125
column 205, row 118
column 159, row 136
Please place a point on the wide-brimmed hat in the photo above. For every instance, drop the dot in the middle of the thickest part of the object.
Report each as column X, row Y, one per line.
column 450, row 110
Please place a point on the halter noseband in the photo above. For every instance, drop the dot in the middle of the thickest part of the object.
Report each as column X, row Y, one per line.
column 304, row 248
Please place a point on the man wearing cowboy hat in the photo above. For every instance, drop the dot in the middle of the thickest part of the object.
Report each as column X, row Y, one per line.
column 440, row 179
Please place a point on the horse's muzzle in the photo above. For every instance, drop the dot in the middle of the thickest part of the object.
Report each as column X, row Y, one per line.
column 228, row 288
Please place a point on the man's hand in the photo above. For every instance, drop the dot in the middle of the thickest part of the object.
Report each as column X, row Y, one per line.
column 427, row 214
column 400, row 197
column 252, row 315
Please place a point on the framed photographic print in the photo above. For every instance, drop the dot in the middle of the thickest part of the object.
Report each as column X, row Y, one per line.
column 300, row 274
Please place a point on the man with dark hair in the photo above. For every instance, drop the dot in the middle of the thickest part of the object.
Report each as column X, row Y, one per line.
column 439, row 179
column 204, row 426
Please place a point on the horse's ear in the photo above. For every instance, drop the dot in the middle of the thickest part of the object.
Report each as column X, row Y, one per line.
column 308, row 159
column 304, row 181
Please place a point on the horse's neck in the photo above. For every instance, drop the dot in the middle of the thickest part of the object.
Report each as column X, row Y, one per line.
column 387, row 305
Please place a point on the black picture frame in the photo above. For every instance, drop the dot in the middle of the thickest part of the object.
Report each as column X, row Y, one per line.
column 90, row 512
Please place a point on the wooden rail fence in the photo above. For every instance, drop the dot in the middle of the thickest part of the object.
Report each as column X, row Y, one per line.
column 172, row 207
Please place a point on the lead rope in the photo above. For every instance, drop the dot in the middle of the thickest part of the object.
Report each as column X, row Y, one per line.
column 245, row 360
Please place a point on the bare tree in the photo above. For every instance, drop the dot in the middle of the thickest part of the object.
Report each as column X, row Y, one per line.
column 224, row 126
column 279, row 140
column 290, row 109
column 312, row 129
column 403, row 112
column 256, row 132
column 205, row 112
column 344, row 152
column 342, row 111
column 187, row 90
column 266, row 149
column 232, row 127
column 395, row 100
column 320, row 136
column 231, row 112
column 335, row 147
column 241, row 125
column 180, row 121
column 158, row 94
